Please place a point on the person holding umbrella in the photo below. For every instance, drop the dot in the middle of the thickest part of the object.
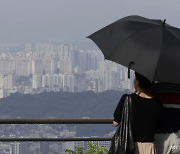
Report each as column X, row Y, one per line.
column 146, row 113
column 150, row 47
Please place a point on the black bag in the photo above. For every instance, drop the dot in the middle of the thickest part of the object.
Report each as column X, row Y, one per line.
column 123, row 141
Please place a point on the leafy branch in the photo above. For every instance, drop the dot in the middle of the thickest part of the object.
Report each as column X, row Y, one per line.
column 92, row 149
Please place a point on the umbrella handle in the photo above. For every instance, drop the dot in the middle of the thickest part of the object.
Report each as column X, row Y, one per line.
column 164, row 22
column 129, row 67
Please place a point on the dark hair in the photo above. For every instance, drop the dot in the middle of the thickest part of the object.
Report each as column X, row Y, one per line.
column 144, row 83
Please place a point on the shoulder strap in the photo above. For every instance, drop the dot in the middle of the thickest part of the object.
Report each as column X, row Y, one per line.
column 130, row 107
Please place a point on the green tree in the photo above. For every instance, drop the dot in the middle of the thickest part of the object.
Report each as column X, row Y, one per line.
column 77, row 150
column 92, row 149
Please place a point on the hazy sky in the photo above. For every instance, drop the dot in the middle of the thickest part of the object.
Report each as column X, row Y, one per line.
column 73, row 20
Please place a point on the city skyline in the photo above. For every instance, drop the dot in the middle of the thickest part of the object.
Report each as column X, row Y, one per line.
column 48, row 67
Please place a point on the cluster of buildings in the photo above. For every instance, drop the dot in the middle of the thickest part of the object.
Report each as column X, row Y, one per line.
column 43, row 147
column 12, row 148
column 49, row 67
column 47, row 147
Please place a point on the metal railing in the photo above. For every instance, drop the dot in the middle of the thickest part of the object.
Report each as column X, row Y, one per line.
column 55, row 121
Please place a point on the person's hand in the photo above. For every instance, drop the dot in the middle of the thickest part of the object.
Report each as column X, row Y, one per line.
column 115, row 123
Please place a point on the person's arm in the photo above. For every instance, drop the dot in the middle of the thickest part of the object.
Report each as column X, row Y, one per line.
column 118, row 111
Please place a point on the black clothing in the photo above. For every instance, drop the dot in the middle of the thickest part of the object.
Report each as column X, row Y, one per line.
column 170, row 121
column 168, row 95
column 146, row 116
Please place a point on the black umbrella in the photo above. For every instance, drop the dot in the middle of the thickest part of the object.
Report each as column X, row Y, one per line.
column 150, row 47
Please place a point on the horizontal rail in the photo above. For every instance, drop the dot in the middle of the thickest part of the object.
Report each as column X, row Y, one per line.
column 55, row 139
column 56, row 121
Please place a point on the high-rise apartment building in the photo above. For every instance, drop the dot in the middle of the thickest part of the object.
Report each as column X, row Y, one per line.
column 50, row 66
column 52, row 81
column 24, row 148
column 7, row 66
column 36, row 81
column 37, row 67
column 15, row 147
column 23, row 67
column 4, row 93
column 65, row 66
column 68, row 82
column 5, row 148
column 7, row 81
column 44, row 147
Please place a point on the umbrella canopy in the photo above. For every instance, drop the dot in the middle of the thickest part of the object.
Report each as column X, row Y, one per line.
column 151, row 47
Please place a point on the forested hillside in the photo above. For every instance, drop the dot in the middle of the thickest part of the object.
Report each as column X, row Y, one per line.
column 60, row 105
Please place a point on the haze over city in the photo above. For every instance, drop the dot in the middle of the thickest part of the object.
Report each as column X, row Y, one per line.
column 49, row 69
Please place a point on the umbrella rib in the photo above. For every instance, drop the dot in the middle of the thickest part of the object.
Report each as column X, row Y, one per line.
column 140, row 51
column 173, row 35
column 157, row 61
column 161, row 50
column 113, row 50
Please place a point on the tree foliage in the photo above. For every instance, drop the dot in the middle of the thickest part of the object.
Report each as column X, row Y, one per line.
column 92, row 149
column 60, row 105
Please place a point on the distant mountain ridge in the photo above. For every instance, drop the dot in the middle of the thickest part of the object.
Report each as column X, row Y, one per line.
column 60, row 105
